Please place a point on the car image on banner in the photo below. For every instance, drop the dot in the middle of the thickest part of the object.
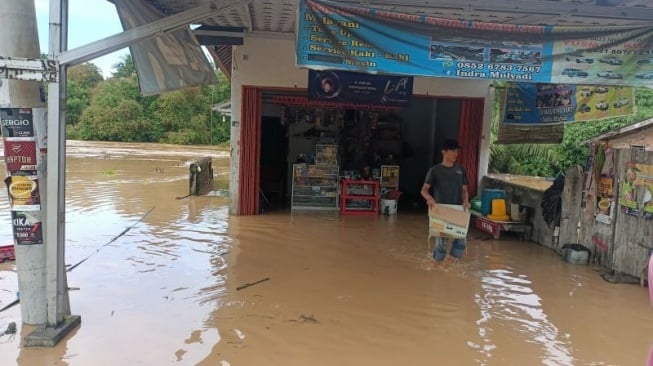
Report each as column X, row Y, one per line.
column 609, row 75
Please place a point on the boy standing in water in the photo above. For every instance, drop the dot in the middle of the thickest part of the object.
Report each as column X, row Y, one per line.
column 446, row 183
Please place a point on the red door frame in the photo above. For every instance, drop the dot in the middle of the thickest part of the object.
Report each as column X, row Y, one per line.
column 250, row 150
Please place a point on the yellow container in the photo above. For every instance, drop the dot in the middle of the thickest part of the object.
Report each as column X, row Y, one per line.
column 499, row 212
column 499, row 207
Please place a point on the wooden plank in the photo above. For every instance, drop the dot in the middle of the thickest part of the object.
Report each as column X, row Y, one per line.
column 571, row 206
column 632, row 233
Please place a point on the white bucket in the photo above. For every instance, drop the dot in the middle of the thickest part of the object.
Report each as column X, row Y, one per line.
column 391, row 206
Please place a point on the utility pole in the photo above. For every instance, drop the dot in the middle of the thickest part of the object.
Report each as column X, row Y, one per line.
column 19, row 38
column 40, row 265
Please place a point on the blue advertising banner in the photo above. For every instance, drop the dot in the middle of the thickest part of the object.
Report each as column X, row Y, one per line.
column 538, row 103
column 333, row 35
column 353, row 87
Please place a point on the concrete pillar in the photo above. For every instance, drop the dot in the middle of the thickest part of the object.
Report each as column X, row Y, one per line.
column 19, row 38
column 484, row 158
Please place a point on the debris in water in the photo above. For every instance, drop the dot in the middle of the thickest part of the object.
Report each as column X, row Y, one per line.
column 11, row 328
column 251, row 284
column 308, row 319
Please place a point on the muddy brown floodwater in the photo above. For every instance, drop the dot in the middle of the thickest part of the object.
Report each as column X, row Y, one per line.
column 341, row 290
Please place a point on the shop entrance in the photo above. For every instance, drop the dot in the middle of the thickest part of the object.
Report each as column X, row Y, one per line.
column 274, row 149
column 353, row 142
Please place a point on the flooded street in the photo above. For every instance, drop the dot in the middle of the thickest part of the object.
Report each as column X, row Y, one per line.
column 335, row 290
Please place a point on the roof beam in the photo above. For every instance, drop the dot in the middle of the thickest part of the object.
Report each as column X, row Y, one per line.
column 121, row 40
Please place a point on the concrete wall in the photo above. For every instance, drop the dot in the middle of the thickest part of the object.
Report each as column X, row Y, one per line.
column 527, row 197
column 270, row 62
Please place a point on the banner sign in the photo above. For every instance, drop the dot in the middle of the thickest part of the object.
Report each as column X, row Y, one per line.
column 538, row 103
column 334, row 35
column 20, row 154
column 353, row 87
column 17, row 122
column 27, row 227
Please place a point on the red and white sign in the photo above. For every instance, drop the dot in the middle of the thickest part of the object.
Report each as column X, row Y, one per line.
column 20, row 154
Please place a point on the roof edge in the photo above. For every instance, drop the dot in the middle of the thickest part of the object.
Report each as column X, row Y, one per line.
column 621, row 131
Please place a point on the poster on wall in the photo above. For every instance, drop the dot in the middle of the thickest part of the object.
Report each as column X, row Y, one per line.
column 605, row 200
column 27, row 227
column 353, row 87
column 17, row 122
column 637, row 190
column 389, row 176
column 542, row 103
column 360, row 38
column 20, row 154
column 23, row 191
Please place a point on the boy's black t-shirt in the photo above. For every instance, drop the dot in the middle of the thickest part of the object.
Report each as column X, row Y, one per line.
column 447, row 183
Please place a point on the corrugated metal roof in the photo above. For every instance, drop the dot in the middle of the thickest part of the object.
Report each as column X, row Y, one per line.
column 626, row 130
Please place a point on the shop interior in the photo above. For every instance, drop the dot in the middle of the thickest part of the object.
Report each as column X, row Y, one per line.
column 314, row 155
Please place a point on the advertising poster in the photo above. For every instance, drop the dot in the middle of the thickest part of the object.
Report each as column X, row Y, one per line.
column 23, row 191
column 20, row 154
column 353, row 87
column 637, row 190
column 27, row 227
column 543, row 103
column 389, row 176
column 361, row 38
column 17, row 122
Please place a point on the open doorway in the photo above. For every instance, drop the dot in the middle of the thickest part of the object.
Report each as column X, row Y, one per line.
column 274, row 149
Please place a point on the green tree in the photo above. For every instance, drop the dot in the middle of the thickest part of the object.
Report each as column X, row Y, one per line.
column 187, row 117
column 125, row 68
column 118, row 112
column 81, row 81
column 115, row 114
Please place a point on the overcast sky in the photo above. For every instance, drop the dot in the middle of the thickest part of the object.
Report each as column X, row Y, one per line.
column 90, row 20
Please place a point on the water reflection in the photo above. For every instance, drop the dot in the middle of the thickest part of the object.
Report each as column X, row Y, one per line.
column 506, row 299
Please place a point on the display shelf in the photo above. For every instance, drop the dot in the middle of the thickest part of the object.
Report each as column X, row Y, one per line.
column 314, row 187
column 359, row 197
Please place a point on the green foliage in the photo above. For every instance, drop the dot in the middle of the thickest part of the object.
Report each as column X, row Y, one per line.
column 115, row 115
column 81, row 81
column 109, row 172
column 551, row 160
column 114, row 109
column 125, row 68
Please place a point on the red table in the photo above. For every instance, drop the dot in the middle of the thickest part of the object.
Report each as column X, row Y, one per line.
column 360, row 190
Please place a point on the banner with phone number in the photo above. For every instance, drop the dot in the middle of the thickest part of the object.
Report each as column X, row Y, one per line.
column 334, row 35
column 538, row 103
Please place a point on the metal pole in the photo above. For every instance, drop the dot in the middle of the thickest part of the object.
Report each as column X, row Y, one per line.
column 56, row 283
column 19, row 38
